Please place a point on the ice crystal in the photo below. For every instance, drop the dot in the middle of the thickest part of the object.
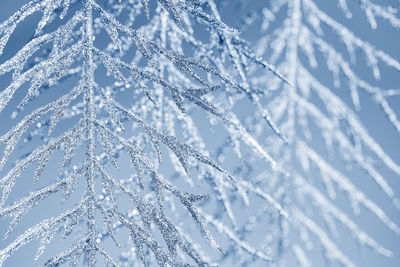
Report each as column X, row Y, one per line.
column 217, row 130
